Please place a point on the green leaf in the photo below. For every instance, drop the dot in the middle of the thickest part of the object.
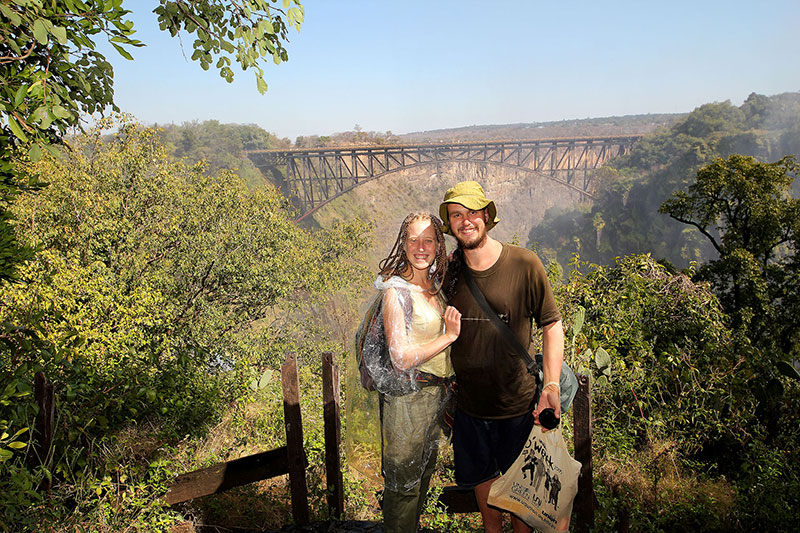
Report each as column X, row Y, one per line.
column 60, row 112
column 16, row 445
column 47, row 119
column 35, row 152
column 60, row 33
column 294, row 17
column 262, row 85
column 19, row 96
column 602, row 360
column 577, row 321
column 266, row 377
column 788, row 370
column 124, row 53
column 5, row 455
column 40, row 31
column 16, row 129
column 10, row 14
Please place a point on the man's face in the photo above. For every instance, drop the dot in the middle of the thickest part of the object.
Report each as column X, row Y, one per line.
column 467, row 226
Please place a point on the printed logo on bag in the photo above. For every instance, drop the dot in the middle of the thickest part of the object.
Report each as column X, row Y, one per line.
column 544, row 481
column 541, row 484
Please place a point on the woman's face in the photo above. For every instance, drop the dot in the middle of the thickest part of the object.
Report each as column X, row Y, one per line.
column 420, row 245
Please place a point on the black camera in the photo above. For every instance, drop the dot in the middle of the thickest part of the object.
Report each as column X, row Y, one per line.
column 548, row 418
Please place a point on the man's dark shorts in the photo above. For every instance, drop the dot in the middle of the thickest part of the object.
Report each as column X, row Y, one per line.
column 484, row 448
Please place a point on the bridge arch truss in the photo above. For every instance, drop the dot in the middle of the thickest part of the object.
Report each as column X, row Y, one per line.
column 314, row 177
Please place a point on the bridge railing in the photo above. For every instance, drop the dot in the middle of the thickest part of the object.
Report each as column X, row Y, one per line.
column 315, row 176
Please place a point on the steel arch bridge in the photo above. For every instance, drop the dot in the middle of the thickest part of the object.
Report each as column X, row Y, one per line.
column 315, row 177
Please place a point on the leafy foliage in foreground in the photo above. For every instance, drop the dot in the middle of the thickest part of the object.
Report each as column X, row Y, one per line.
column 156, row 296
column 679, row 442
column 673, row 358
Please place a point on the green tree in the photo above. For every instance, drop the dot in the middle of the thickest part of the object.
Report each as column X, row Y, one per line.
column 51, row 73
column 632, row 187
column 744, row 209
column 157, row 294
column 220, row 146
column 679, row 439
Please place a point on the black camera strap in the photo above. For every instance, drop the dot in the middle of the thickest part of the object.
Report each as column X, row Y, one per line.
column 499, row 324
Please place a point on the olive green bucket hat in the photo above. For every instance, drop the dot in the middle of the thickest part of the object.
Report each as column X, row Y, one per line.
column 469, row 194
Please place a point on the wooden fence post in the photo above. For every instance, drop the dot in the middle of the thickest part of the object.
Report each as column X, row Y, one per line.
column 333, row 434
column 294, row 440
column 582, row 427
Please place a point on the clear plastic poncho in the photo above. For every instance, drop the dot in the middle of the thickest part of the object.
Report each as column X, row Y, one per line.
column 413, row 398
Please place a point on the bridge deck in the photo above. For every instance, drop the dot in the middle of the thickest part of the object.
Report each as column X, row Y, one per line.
column 316, row 176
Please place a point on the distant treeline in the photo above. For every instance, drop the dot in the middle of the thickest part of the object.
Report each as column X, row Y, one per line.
column 221, row 145
column 622, row 125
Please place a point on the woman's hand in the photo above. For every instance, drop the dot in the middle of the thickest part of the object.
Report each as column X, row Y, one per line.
column 452, row 323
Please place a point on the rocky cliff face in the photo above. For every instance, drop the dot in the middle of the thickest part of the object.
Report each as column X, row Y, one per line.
column 522, row 199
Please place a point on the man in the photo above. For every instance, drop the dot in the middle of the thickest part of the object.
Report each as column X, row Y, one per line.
column 495, row 394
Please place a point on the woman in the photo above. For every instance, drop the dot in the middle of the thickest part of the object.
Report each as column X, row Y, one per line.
column 419, row 328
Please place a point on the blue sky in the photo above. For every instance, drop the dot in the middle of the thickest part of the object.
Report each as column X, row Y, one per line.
column 422, row 65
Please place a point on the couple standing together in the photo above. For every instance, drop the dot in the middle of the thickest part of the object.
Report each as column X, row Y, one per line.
column 435, row 330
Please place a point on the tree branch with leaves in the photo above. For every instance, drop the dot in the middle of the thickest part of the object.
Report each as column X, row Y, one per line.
column 51, row 73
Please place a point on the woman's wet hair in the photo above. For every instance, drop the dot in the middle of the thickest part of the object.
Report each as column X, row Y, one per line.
column 396, row 263
column 455, row 266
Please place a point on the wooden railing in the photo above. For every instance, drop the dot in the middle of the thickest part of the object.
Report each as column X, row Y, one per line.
column 291, row 458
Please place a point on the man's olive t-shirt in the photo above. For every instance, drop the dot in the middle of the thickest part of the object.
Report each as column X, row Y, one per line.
column 491, row 375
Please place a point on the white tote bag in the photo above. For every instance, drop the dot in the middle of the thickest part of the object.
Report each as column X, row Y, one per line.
column 541, row 484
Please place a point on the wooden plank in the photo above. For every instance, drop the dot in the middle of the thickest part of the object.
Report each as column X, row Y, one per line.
column 333, row 435
column 583, row 508
column 224, row 476
column 294, row 440
column 459, row 500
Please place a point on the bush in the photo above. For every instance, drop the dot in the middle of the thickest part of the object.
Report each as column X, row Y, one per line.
column 677, row 443
column 157, row 294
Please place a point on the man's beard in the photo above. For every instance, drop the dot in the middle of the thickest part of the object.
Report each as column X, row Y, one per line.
column 476, row 243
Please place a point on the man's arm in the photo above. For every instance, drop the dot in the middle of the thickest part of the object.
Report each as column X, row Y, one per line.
column 552, row 358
